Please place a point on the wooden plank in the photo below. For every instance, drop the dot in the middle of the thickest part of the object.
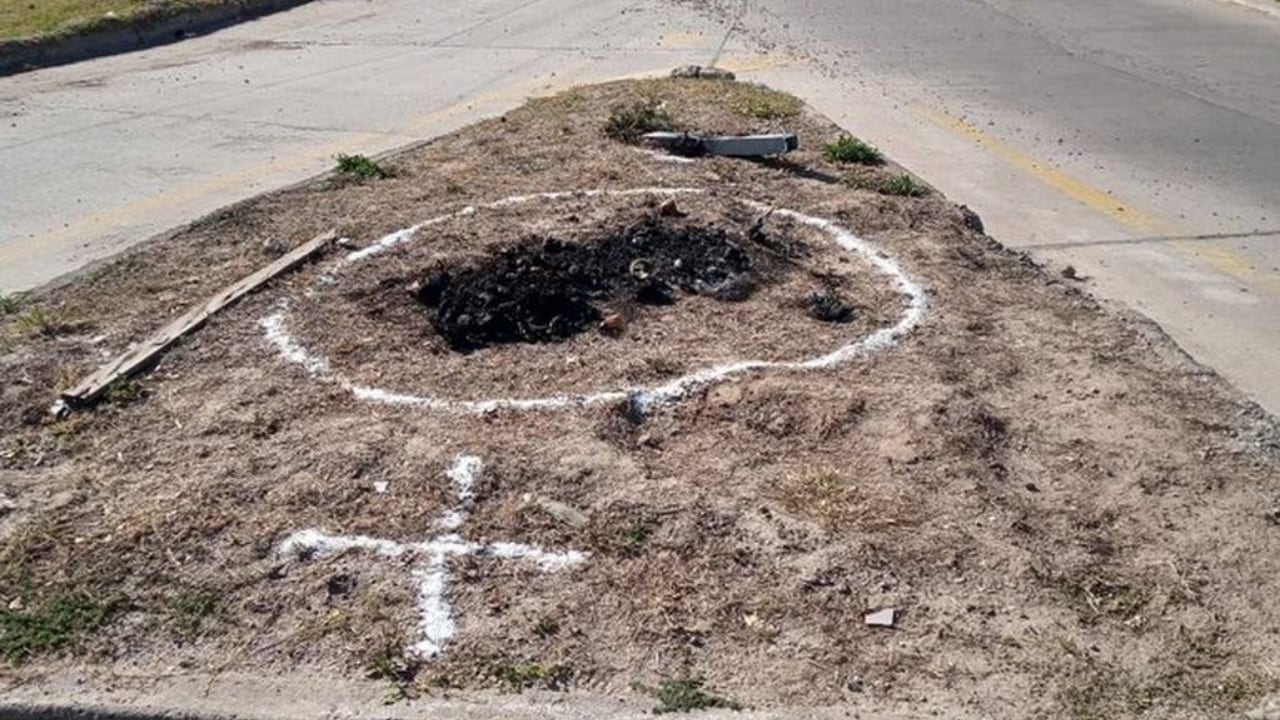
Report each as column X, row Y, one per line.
column 148, row 351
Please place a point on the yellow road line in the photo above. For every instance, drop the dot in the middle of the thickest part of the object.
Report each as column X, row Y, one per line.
column 687, row 40
column 1214, row 253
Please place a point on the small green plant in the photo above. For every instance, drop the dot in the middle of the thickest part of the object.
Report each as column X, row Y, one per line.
column 57, row 623
column 765, row 104
column 687, row 695
column 122, row 392
column 1099, row 599
column 50, row 323
column 546, row 626
column 629, row 123
column 522, row 676
column 635, row 535
column 899, row 185
column 389, row 663
column 905, row 186
column 9, row 304
column 192, row 607
column 361, row 168
column 850, row 150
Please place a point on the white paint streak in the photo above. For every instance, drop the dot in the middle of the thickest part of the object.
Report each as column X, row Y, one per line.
column 383, row 244
column 666, row 157
column 318, row 543
column 277, row 335
column 913, row 315
column 436, row 624
column 464, row 474
column 435, row 618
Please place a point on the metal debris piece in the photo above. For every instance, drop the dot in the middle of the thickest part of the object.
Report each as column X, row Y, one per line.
column 691, row 145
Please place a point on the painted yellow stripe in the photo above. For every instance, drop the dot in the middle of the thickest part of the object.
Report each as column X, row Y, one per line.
column 688, row 40
column 1216, row 254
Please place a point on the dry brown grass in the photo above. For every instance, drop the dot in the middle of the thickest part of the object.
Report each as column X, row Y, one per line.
column 1070, row 515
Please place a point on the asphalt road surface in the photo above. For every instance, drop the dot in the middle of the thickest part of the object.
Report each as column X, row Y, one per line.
column 1138, row 141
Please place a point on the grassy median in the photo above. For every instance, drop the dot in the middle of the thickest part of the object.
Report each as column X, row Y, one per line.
column 38, row 18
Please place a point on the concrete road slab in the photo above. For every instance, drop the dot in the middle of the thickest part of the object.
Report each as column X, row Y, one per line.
column 119, row 149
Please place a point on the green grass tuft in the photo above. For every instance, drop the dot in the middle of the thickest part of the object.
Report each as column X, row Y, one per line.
column 50, row 323
column 687, row 695
column 522, row 676
column 850, row 150
column 192, row 607
column 764, row 104
column 362, row 169
column 898, row 185
column 56, row 624
column 629, row 123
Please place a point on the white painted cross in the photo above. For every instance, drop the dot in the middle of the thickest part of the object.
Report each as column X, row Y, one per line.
column 436, row 620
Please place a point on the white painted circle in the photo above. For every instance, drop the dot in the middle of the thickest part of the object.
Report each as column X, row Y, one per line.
column 275, row 325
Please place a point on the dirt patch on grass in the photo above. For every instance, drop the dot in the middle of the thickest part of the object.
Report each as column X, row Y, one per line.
column 1070, row 517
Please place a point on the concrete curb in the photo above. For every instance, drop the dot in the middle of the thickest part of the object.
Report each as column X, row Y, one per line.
column 235, row 696
column 134, row 34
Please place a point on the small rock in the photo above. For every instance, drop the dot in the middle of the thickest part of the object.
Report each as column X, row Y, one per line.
column 831, row 308
column 16, row 605
column 670, row 209
column 340, row 585
column 725, row 395
column 272, row 246
column 346, row 243
column 1069, row 272
column 1273, row 517
column 613, row 324
column 972, row 220
column 566, row 514
column 881, row 618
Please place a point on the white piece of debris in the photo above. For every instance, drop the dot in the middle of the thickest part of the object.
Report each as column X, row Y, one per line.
column 380, row 486
column 881, row 618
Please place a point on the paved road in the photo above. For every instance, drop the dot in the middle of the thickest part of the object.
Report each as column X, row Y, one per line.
column 1138, row 141
column 102, row 154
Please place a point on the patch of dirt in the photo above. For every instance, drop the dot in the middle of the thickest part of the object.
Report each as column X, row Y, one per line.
column 1072, row 519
